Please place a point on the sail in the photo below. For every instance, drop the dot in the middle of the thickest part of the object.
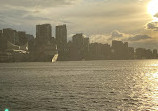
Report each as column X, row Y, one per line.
column 54, row 59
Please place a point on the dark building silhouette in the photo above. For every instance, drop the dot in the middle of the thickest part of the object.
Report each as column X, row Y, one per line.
column 119, row 50
column 11, row 35
column 77, row 51
column 61, row 40
column 130, row 53
column 1, row 33
column 140, row 53
column 61, row 35
column 43, row 33
column 98, row 51
column 155, row 55
column 86, row 48
column 3, row 42
column 29, row 37
column 22, row 38
column 31, row 42
column 43, row 46
column 80, row 47
column 148, row 54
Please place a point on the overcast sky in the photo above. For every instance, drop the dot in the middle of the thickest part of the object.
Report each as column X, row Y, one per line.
column 101, row 20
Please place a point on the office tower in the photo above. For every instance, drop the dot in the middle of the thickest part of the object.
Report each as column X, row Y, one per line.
column 148, row 54
column 140, row 53
column 1, row 33
column 61, row 40
column 22, row 38
column 130, row 53
column 29, row 37
column 80, row 47
column 3, row 43
column 78, row 40
column 86, row 48
column 61, row 35
column 11, row 35
column 155, row 55
column 99, row 51
column 119, row 50
column 43, row 33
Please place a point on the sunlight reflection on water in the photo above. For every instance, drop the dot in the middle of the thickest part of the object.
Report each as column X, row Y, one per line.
column 86, row 85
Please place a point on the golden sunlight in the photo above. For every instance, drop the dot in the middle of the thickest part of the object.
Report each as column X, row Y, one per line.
column 153, row 7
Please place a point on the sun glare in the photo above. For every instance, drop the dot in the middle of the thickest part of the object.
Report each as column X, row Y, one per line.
column 153, row 7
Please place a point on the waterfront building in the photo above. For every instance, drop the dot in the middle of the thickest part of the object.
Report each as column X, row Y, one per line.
column 119, row 50
column 130, row 53
column 155, row 55
column 78, row 46
column 22, row 38
column 61, row 40
column 43, row 34
column 98, row 51
column 140, row 53
column 11, row 35
column 1, row 33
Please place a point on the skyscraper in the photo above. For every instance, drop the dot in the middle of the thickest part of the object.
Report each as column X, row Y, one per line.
column 22, row 38
column 43, row 33
column 11, row 35
column 61, row 40
column 1, row 33
column 61, row 35
column 119, row 50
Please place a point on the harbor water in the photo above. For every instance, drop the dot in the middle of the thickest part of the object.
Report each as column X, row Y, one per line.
column 80, row 86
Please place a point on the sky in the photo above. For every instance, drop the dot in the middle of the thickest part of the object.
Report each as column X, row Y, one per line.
column 133, row 21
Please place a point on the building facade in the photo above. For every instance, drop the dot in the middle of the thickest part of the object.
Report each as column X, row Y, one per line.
column 61, row 41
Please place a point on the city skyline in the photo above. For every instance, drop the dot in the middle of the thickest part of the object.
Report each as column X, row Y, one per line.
column 44, row 46
column 100, row 20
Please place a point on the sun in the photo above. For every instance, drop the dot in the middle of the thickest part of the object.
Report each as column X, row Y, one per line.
column 153, row 7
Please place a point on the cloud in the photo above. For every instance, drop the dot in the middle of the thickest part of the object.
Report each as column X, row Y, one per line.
column 156, row 15
column 36, row 3
column 99, row 38
column 81, row 16
column 116, row 34
column 138, row 38
column 152, row 26
column 149, row 44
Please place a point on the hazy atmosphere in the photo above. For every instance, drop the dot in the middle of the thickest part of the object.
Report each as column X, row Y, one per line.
column 78, row 55
column 134, row 21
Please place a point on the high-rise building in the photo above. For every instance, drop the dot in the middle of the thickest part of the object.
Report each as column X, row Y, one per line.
column 80, row 47
column 43, row 33
column 22, row 38
column 61, row 35
column 1, row 33
column 86, row 48
column 99, row 51
column 119, row 50
column 3, row 43
column 155, row 55
column 29, row 37
column 130, row 53
column 78, row 40
column 61, row 40
column 140, row 53
column 11, row 35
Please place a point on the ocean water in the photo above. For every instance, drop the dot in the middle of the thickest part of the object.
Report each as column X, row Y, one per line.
column 80, row 86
